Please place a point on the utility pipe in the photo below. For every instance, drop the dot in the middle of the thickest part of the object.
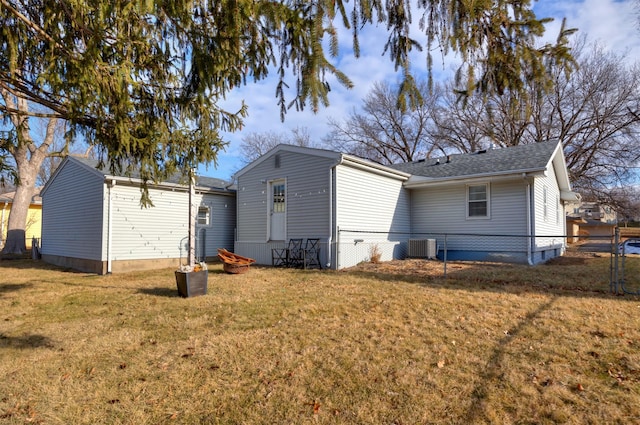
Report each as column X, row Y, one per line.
column 529, row 224
column 110, row 185
column 329, row 248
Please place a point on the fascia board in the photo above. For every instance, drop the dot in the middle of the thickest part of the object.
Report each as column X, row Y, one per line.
column 420, row 181
column 372, row 167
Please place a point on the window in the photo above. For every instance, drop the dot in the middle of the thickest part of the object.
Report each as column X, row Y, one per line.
column 278, row 198
column 203, row 216
column 478, row 201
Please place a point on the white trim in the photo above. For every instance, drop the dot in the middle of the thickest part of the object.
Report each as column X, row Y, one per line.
column 372, row 167
column 270, row 185
column 287, row 148
column 545, row 203
column 208, row 216
column 415, row 182
column 110, row 185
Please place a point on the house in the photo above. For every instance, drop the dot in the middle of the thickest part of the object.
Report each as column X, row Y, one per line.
column 499, row 204
column 93, row 221
column 591, row 220
column 297, row 192
column 33, row 225
column 598, row 211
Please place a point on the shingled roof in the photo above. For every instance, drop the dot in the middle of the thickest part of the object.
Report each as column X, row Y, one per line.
column 207, row 182
column 516, row 159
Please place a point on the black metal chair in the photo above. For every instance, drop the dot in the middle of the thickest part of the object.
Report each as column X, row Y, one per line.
column 290, row 256
column 311, row 254
column 295, row 253
column 279, row 257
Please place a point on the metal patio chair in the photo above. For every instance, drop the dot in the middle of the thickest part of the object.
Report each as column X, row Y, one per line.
column 311, row 254
column 290, row 256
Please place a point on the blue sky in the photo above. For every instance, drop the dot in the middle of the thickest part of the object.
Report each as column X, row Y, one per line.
column 614, row 24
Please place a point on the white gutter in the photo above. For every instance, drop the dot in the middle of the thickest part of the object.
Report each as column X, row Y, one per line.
column 567, row 195
column 166, row 185
column 109, row 224
column 421, row 181
column 373, row 168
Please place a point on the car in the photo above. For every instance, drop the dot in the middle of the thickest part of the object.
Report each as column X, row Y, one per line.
column 630, row 246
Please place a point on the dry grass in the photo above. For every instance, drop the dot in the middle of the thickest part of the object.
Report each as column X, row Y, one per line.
column 381, row 343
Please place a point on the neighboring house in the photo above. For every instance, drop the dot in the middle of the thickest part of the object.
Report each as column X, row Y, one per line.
column 33, row 226
column 593, row 211
column 93, row 221
column 591, row 220
column 499, row 204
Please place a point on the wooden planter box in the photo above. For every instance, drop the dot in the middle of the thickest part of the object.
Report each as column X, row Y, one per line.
column 191, row 284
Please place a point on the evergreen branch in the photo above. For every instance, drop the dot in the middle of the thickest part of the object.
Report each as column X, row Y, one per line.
column 29, row 23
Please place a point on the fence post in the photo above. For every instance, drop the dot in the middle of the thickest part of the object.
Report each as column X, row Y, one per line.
column 613, row 284
column 444, row 256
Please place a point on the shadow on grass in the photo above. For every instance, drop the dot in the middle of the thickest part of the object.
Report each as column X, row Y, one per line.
column 25, row 341
column 491, row 375
column 160, row 292
column 13, row 287
column 24, row 264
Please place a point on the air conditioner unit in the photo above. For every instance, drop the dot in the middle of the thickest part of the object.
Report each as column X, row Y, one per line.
column 422, row 248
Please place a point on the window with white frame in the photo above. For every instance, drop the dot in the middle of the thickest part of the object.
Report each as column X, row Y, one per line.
column 203, row 216
column 478, row 201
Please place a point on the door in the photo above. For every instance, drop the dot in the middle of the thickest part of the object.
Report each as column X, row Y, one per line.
column 278, row 210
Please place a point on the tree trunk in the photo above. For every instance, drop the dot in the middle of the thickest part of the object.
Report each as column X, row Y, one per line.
column 16, row 243
column 28, row 159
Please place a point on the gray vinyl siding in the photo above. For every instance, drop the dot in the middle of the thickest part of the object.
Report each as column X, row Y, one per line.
column 440, row 210
column 161, row 231
column 371, row 211
column 72, row 214
column 307, row 201
column 221, row 230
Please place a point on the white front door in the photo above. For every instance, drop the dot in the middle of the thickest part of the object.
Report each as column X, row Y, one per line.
column 278, row 210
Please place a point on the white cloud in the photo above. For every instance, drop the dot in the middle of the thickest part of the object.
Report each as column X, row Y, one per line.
column 612, row 23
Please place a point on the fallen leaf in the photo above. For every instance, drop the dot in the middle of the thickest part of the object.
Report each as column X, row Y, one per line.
column 579, row 387
column 440, row 364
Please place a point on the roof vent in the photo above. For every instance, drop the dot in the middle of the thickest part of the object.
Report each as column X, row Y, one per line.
column 438, row 161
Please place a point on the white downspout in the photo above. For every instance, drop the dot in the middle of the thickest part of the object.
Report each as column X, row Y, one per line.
column 329, row 249
column 109, row 224
column 529, row 226
column 333, row 172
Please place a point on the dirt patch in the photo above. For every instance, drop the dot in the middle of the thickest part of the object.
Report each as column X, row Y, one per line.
column 422, row 267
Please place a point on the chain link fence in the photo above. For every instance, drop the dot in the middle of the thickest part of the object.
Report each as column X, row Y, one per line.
column 355, row 246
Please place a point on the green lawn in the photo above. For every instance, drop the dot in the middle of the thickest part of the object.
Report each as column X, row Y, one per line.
column 394, row 345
